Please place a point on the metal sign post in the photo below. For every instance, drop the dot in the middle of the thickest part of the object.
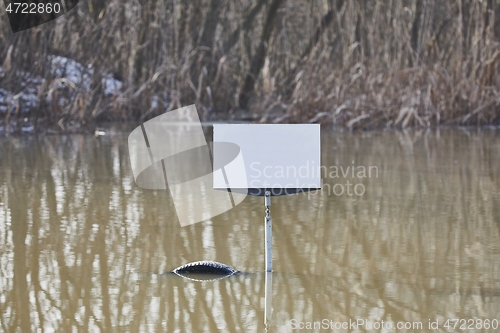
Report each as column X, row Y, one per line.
column 269, row 233
column 268, row 220
column 268, row 306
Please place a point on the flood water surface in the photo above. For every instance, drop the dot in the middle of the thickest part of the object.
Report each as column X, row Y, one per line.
column 404, row 234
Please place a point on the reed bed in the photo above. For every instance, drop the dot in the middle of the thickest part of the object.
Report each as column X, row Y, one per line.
column 354, row 64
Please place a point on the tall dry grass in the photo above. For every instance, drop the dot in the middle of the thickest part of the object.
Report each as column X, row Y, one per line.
column 358, row 64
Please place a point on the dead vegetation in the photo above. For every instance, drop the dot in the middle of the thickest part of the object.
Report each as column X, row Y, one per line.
column 356, row 64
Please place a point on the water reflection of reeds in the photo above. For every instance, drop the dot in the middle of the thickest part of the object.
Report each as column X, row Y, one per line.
column 80, row 244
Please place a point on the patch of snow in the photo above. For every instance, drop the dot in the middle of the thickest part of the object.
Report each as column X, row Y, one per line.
column 67, row 73
column 29, row 99
column 5, row 97
column 159, row 101
column 111, row 85
column 154, row 102
column 80, row 75
column 71, row 70
column 27, row 129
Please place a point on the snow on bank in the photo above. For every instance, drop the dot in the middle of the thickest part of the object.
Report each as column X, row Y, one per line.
column 68, row 78
column 27, row 97
column 81, row 75
column 66, row 72
column 4, row 97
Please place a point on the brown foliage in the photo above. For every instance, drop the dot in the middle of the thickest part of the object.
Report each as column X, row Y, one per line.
column 359, row 64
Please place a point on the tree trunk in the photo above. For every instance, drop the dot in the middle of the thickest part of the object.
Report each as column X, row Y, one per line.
column 245, row 25
column 206, row 45
column 415, row 30
column 181, row 40
column 259, row 57
column 325, row 22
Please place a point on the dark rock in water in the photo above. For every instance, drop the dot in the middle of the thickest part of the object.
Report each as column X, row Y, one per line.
column 205, row 270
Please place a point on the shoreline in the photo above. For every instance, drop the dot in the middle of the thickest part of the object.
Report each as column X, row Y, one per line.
column 104, row 128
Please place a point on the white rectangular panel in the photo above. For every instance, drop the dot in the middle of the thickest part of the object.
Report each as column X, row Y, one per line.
column 274, row 156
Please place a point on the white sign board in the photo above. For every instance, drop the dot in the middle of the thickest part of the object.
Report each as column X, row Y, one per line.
column 282, row 158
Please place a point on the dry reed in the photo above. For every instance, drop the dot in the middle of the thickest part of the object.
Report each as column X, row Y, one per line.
column 356, row 64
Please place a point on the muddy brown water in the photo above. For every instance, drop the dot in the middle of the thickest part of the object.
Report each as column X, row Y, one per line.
column 417, row 240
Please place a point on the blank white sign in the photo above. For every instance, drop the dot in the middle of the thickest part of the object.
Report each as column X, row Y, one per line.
column 270, row 156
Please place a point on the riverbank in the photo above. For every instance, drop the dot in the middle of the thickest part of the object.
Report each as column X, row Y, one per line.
column 58, row 105
column 354, row 65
